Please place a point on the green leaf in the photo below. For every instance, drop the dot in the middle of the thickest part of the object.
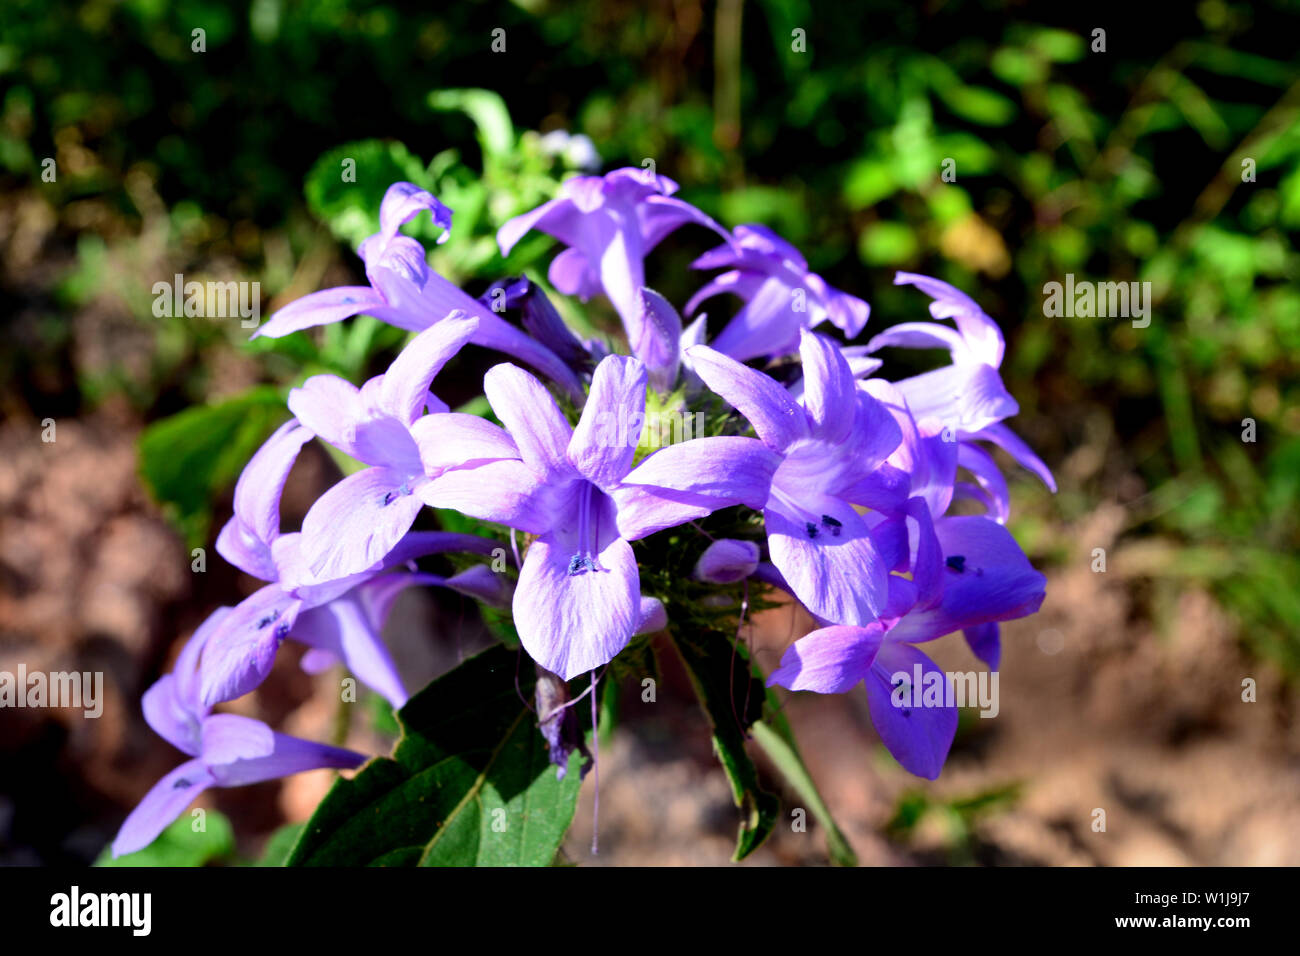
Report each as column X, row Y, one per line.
column 777, row 741
column 187, row 459
column 181, row 845
column 281, row 845
column 468, row 784
column 724, row 686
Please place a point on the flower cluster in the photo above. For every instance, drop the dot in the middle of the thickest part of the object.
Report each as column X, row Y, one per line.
column 854, row 477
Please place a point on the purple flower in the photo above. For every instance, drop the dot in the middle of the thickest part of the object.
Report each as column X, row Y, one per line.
column 226, row 750
column 969, row 576
column 405, row 292
column 831, row 451
column 610, row 224
column 968, row 397
column 578, row 599
column 340, row 617
column 382, row 424
column 782, row 298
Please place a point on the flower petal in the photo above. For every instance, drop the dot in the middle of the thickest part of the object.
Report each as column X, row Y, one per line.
column 405, row 386
column 693, row 479
column 241, row 651
column 164, row 802
column 573, row 623
column 830, row 660
column 344, row 627
column 777, row 419
column 531, row 416
column 918, row 736
column 321, row 308
column 358, row 521
column 603, row 445
column 834, row 569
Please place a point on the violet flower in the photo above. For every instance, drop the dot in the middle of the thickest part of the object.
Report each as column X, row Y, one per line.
column 226, row 750
column 782, row 298
column 610, row 224
column 578, row 598
column 342, row 618
column 967, row 396
column 984, row 578
column 405, row 292
column 831, row 449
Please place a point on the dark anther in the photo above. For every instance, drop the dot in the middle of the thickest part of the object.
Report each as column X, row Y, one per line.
column 957, row 562
column 181, row 784
column 268, row 619
column 834, row 525
column 811, row 529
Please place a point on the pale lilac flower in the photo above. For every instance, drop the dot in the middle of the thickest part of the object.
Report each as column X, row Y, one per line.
column 226, row 750
column 341, row 617
column 578, row 598
column 967, row 396
column 610, row 224
column 382, row 424
column 984, row 578
column 405, row 292
column 782, row 298
column 831, row 449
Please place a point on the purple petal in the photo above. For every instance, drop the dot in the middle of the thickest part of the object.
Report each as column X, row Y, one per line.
column 357, row 522
column 981, row 464
column 330, row 408
column 965, row 398
column 830, row 392
column 831, row 660
column 986, row 578
column 768, row 324
column 405, row 386
column 245, row 541
column 727, row 561
column 169, row 717
column 777, row 419
column 456, row 440
column 834, row 569
column 321, row 308
column 288, row 755
column 656, row 338
column 504, row 492
column 167, row 799
column 1008, row 441
column 240, row 653
column 981, row 335
column 403, row 202
column 531, row 416
column 573, row 623
column 985, row 641
column 918, row 735
column 693, row 479
column 344, row 628
column 604, row 443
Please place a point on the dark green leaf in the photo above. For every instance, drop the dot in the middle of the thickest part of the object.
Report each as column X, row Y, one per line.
column 469, row 783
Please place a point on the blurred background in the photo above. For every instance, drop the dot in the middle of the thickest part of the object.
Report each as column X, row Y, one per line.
column 217, row 155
